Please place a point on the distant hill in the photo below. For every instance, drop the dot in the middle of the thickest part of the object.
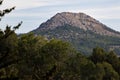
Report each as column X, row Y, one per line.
column 83, row 31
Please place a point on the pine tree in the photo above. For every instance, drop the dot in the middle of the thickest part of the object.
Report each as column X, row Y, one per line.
column 6, row 44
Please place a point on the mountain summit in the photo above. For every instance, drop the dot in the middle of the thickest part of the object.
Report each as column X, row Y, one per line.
column 79, row 20
column 83, row 31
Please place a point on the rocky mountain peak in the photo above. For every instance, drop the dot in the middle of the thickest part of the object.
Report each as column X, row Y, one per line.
column 79, row 20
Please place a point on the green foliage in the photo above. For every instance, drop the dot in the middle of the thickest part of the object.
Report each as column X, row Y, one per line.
column 31, row 57
column 8, row 49
column 110, row 73
column 113, row 59
column 8, row 54
column 82, row 40
column 98, row 55
column 43, row 59
column 29, row 52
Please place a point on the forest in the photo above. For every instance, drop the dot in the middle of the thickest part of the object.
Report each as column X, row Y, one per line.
column 31, row 57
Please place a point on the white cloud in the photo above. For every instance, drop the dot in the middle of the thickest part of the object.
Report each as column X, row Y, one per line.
column 112, row 12
column 23, row 4
column 48, row 8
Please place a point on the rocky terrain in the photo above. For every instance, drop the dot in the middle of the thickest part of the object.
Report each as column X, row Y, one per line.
column 81, row 30
column 79, row 20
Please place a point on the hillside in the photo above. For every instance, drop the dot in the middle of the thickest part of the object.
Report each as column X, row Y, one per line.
column 83, row 31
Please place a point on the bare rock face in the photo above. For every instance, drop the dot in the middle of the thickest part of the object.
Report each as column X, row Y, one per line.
column 80, row 20
column 81, row 30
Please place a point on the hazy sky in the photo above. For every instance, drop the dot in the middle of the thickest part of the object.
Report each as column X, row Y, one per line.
column 34, row 12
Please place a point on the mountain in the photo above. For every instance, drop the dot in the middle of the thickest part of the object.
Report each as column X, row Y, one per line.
column 83, row 31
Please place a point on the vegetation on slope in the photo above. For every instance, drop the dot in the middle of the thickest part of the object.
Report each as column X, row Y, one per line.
column 82, row 40
column 42, row 59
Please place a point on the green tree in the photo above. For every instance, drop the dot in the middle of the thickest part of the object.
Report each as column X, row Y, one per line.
column 42, row 59
column 8, row 48
column 53, row 56
column 110, row 73
column 98, row 55
column 99, row 72
column 113, row 59
column 73, row 66
column 88, row 71
column 105, row 71
column 29, row 52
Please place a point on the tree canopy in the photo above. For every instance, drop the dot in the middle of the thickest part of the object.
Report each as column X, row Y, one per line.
column 33, row 57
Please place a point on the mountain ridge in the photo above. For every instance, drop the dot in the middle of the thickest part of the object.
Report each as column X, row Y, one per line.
column 81, row 30
column 80, row 20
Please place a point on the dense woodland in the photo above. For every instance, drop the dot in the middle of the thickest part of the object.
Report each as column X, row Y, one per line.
column 31, row 57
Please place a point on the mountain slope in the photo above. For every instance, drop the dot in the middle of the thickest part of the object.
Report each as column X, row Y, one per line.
column 83, row 31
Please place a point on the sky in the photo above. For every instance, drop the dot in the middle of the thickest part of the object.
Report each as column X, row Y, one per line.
column 35, row 12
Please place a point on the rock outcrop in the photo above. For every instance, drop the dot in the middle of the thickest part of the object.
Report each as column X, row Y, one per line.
column 81, row 30
column 80, row 20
